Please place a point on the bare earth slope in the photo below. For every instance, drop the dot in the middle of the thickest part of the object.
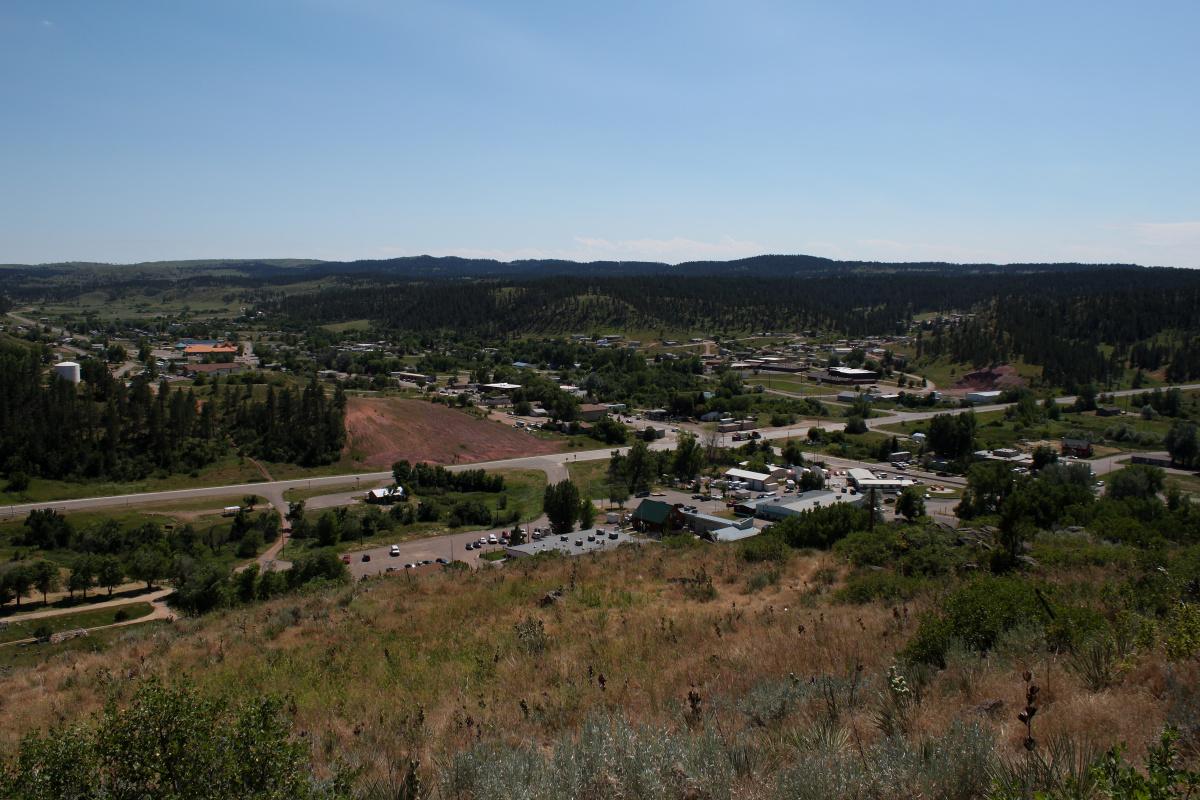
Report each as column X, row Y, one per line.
column 386, row 430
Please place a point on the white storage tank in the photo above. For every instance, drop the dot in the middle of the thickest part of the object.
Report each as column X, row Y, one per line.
column 67, row 370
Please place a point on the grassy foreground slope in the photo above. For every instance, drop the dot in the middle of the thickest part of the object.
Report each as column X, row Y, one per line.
column 750, row 682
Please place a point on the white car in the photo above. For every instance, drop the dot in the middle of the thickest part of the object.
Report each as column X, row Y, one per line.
column 395, row 550
column 492, row 539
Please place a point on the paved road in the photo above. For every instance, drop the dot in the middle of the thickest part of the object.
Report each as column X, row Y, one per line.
column 552, row 464
column 40, row 326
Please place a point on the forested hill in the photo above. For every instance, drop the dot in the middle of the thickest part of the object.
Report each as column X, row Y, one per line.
column 432, row 267
column 777, row 266
column 854, row 304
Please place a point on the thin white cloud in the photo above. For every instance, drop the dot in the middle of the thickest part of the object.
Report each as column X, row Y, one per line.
column 1165, row 234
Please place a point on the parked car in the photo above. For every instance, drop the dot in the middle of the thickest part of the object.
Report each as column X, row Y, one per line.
column 390, row 569
column 642, row 494
column 366, row 557
column 395, row 550
column 345, row 559
column 442, row 561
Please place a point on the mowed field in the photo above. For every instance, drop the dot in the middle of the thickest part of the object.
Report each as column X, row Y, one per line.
column 381, row 431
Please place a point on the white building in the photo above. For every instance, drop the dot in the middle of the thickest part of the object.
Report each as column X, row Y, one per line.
column 805, row 501
column 572, row 544
column 755, row 480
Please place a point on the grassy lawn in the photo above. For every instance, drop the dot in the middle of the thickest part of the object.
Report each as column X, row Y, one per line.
column 591, row 477
column 1188, row 484
column 228, row 471
column 296, row 495
column 210, row 526
column 342, row 327
column 17, row 656
column 994, row 431
column 67, row 622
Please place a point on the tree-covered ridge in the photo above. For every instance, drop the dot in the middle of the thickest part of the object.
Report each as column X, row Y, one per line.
column 306, row 427
column 99, row 428
column 852, row 304
column 105, row 428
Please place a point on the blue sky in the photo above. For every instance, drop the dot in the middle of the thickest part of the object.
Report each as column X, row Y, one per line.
column 894, row 131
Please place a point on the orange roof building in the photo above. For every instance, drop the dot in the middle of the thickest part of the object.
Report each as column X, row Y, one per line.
column 209, row 349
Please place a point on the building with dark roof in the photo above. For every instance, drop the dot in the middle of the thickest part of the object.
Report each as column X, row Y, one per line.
column 653, row 516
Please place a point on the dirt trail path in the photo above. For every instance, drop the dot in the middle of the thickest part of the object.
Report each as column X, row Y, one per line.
column 153, row 597
column 160, row 612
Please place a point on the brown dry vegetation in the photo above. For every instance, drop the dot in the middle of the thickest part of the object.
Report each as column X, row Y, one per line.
column 394, row 668
column 382, row 431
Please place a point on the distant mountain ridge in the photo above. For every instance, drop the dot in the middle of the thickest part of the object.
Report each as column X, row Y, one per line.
column 433, row 267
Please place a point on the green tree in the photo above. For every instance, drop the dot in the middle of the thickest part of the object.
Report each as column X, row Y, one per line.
column 295, row 512
column 19, row 580
column 146, row 565
column 46, row 578
column 1043, row 455
column 171, row 743
column 83, row 574
column 1183, row 443
column 618, row 493
column 638, row 466
column 587, row 513
column 689, row 457
column 109, row 572
column 856, row 425
column 792, row 454
column 1137, row 481
column 328, row 533
column 811, row 480
column 561, row 504
column 911, row 503
column 988, row 483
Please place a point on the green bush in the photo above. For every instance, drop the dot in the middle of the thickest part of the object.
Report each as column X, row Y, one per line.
column 170, row 742
column 764, row 547
column 821, row 527
column 975, row 613
column 883, row 587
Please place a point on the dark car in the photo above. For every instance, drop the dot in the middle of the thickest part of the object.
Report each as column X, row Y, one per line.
column 366, row 556
column 943, row 474
column 442, row 561
column 642, row 494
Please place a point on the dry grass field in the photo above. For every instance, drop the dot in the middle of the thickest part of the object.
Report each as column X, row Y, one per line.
column 724, row 677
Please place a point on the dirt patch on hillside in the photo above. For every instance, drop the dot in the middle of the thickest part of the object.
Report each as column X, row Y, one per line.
column 987, row 380
column 387, row 430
